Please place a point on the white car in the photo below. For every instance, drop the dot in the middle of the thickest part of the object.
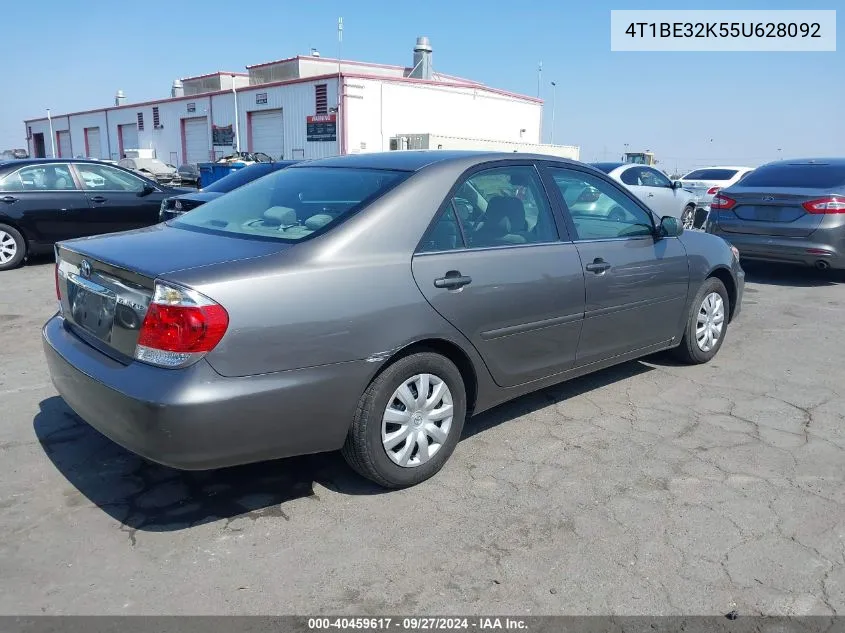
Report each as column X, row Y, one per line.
column 654, row 188
column 706, row 182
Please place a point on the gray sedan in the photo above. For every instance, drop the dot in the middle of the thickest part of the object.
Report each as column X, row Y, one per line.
column 786, row 211
column 372, row 303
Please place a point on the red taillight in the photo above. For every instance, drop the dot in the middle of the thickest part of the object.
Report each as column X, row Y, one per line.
column 832, row 204
column 713, row 191
column 180, row 326
column 722, row 202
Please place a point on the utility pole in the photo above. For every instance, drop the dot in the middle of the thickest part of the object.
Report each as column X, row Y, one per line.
column 554, row 104
column 235, row 96
column 539, row 77
column 338, row 117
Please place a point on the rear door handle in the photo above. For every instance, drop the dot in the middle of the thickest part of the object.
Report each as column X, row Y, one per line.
column 598, row 266
column 9, row 199
column 98, row 199
column 651, row 195
column 452, row 280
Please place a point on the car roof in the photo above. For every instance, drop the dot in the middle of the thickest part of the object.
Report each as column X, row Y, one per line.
column 51, row 161
column 720, row 167
column 609, row 166
column 835, row 162
column 414, row 160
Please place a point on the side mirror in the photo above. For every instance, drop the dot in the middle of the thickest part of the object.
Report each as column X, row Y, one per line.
column 670, row 227
column 677, row 184
column 147, row 190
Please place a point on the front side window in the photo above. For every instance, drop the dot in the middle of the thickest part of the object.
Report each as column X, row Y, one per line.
column 104, row 178
column 291, row 204
column 653, row 178
column 39, row 178
column 502, row 206
column 598, row 209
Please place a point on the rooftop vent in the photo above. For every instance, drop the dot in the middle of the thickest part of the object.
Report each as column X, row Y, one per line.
column 119, row 98
column 422, row 68
column 177, row 89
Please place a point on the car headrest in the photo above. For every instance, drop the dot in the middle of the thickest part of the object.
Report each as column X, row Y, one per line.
column 283, row 216
column 318, row 221
column 500, row 207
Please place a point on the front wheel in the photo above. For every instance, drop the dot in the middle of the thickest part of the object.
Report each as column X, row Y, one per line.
column 408, row 421
column 707, row 324
column 688, row 217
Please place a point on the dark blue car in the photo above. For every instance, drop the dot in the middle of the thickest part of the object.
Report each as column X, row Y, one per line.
column 177, row 205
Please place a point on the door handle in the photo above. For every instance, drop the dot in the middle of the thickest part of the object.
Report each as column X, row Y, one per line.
column 98, row 199
column 9, row 199
column 598, row 266
column 651, row 195
column 452, row 280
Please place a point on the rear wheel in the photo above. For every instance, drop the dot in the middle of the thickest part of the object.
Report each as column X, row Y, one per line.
column 707, row 324
column 12, row 247
column 408, row 421
column 688, row 216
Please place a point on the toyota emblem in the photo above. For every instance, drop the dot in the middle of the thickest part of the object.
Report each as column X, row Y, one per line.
column 768, row 198
column 178, row 205
column 85, row 269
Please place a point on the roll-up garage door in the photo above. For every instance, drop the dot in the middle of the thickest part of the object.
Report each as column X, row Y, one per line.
column 63, row 144
column 196, row 140
column 129, row 136
column 92, row 141
column 268, row 133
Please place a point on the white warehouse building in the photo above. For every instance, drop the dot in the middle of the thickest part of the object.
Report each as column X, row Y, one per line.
column 303, row 107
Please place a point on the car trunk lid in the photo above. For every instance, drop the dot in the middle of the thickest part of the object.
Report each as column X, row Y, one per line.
column 105, row 284
column 770, row 211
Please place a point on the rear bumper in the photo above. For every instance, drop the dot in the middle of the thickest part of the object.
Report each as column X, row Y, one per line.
column 790, row 250
column 195, row 419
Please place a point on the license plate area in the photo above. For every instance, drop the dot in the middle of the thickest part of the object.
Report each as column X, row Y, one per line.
column 92, row 306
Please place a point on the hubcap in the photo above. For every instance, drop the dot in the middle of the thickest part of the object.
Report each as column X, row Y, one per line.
column 417, row 420
column 711, row 322
column 688, row 219
column 8, row 247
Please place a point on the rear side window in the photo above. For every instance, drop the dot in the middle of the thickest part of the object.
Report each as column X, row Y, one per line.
column 711, row 174
column 796, row 176
column 39, row 178
column 291, row 204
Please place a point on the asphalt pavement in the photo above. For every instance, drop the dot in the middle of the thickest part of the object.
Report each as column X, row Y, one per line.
column 649, row 488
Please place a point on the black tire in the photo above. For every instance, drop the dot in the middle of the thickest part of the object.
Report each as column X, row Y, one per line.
column 364, row 450
column 689, row 351
column 20, row 247
column 688, row 217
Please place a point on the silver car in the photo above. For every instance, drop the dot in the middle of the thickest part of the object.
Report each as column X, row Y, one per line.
column 654, row 188
column 787, row 211
column 369, row 303
column 706, row 182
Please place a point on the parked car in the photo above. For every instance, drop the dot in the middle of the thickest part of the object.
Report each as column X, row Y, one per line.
column 14, row 154
column 346, row 303
column 653, row 187
column 706, row 183
column 154, row 169
column 172, row 207
column 43, row 201
column 189, row 174
column 789, row 211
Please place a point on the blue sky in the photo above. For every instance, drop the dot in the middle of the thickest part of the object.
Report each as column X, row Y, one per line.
column 72, row 56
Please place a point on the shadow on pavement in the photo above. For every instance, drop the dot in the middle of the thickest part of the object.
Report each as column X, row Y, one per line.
column 149, row 497
column 772, row 274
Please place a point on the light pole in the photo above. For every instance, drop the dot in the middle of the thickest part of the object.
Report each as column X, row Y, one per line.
column 52, row 136
column 554, row 104
column 235, row 96
column 779, row 152
column 626, row 150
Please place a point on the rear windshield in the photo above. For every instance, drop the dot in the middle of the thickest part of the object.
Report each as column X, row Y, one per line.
column 798, row 176
column 711, row 174
column 239, row 178
column 291, row 204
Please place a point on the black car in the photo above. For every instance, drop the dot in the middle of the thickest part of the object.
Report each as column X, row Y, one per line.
column 171, row 207
column 43, row 201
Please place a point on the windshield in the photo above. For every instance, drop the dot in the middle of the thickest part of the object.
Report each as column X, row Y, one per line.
column 800, row 176
column 291, row 204
column 711, row 174
column 239, row 178
column 153, row 164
